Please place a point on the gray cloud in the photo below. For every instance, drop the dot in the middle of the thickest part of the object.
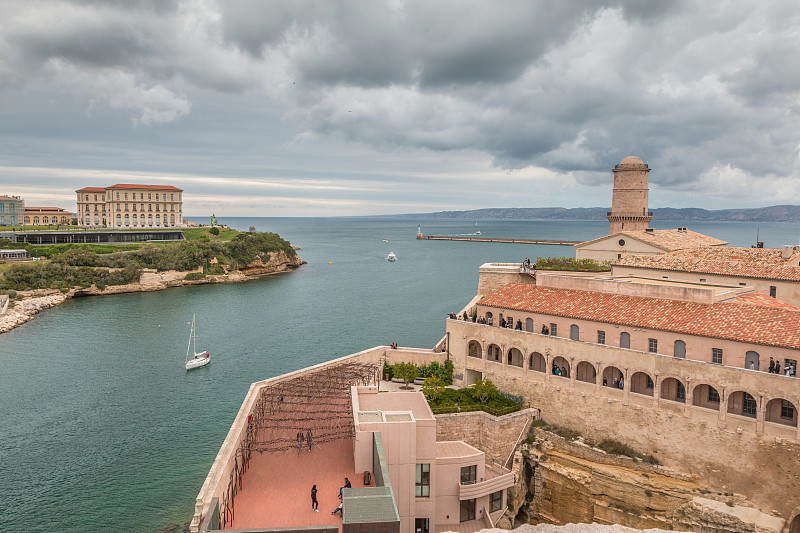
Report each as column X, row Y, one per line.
column 705, row 93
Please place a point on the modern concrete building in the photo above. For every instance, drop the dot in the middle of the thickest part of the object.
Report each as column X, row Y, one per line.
column 47, row 216
column 629, row 221
column 12, row 210
column 133, row 206
column 771, row 271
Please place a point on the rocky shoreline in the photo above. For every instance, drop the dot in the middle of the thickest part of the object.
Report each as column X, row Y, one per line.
column 36, row 301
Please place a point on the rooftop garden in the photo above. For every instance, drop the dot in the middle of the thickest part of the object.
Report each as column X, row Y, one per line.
column 572, row 264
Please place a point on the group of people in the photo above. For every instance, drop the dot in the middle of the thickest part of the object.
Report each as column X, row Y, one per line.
column 619, row 383
column 393, row 346
column 560, row 371
column 526, row 265
column 304, row 438
column 775, row 367
column 315, row 503
column 465, row 317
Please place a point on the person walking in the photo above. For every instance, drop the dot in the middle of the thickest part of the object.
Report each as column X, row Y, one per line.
column 308, row 438
column 300, row 441
column 314, row 503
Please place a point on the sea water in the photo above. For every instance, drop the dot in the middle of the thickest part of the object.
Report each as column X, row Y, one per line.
column 102, row 428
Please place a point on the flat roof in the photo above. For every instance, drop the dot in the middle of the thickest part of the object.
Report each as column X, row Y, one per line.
column 397, row 402
column 454, row 449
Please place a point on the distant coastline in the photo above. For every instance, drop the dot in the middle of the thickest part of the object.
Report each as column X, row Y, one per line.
column 775, row 213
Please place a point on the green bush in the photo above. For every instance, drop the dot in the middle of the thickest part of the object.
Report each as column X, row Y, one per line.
column 463, row 400
column 214, row 231
column 408, row 372
column 44, row 275
column 570, row 263
column 193, row 276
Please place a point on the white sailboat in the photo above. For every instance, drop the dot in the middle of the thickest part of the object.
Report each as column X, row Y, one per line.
column 199, row 359
column 391, row 257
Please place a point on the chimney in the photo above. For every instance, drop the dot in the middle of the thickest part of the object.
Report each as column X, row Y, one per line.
column 786, row 251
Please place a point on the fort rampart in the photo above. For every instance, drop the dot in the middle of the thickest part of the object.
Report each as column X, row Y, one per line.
column 751, row 456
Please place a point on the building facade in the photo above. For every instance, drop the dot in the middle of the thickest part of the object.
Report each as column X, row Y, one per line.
column 131, row 206
column 12, row 209
column 771, row 271
column 47, row 216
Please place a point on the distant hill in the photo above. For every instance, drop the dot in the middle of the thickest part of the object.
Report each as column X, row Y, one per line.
column 775, row 213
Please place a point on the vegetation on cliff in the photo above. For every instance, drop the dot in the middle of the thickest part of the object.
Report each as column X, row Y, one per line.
column 73, row 265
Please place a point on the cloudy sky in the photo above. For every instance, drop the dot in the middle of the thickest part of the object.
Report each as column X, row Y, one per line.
column 303, row 108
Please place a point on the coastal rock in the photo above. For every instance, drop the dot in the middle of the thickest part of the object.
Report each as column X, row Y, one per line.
column 278, row 262
column 25, row 309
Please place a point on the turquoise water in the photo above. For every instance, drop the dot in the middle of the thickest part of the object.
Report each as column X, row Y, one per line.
column 101, row 428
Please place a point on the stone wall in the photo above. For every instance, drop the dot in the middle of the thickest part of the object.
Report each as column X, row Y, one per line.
column 723, row 451
column 495, row 436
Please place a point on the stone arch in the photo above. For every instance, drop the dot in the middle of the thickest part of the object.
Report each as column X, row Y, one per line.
column 642, row 383
column 494, row 353
column 574, row 332
column 514, row 357
column 795, row 527
column 674, row 390
column 562, row 365
column 624, row 340
column 585, row 371
column 537, row 362
column 612, row 376
column 679, row 349
column 742, row 403
column 474, row 349
column 781, row 411
column 529, row 324
column 705, row 395
column 752, row 357
column 489, row 317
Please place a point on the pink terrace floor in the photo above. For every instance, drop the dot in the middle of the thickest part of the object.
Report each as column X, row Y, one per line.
column 276, row 489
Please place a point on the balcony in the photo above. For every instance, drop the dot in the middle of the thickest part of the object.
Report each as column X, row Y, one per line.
column 628, row 215
column 497, row 478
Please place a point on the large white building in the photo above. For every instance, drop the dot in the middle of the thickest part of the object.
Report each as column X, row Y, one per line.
column 129, row 205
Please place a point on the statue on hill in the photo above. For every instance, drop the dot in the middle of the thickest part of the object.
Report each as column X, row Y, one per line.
column 213, row 220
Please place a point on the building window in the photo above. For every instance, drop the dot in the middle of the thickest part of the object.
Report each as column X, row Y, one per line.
column 787, row 410
column 141, row 196
column 702, row 280
column 622, row 242
column 421, row 525
column 423, row 486
column 496, row 501
column 127, row 220
column 135, row 220
column 601, row 337
column 156, row 196
column 117, row 195
column 624, row 340
column 126, row 207
column 649, row 383
column 468, row 474
column 748, row 406
column 553, row 330
column 680, row 392
column 119, row 219
column 574, row 332
column 172, row 220
column 713, row 395
column 652, row 345
column 467, row 510
column 149, row 196
column 716, row 356
column 171, row 196
column 773, row 290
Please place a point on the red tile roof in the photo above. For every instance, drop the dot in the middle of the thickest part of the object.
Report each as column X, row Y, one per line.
column 149, row 187
column 91, row 189
column 762, row 263
column 665, row 239
column 741, row 319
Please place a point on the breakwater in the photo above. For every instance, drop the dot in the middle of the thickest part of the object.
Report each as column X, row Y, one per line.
column 471, row 238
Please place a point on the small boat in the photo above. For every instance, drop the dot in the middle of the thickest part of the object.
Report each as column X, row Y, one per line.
column 391, row 257
column 199, row 359
column 478, row 232
column 385, row 240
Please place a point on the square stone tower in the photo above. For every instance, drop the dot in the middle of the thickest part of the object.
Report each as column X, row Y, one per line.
column 629, row 199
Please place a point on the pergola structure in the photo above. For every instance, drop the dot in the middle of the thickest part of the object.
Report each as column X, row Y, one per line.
column 315, row 403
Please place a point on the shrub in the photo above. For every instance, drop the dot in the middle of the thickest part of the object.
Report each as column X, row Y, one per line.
column 214, row 231
column 432, row 388
column 193, row 276
column 406, row 371
column 484, row 390
column 570, row 263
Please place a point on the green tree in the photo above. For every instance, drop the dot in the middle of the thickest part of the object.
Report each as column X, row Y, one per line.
column 484, row 390
column 407, row 372
column 432, row 388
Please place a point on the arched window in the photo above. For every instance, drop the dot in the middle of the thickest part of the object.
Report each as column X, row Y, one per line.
column 494, row 353
column 119, row 219
column 537, row 362
column 613, row 377
column 706, row 396
column 528, row 324
column 149, row 220
column 158, row 220
column 624, row 340
column 474, row 349
column 10, row 208
column 673, row 390
column 586, row 372
column 172, row 220
column 514, row 357
column 679, row 350
column 135, row 220
column 489, row 317
column 642, row 383
column 560, row 367
column 574, row 332
column 45, row 220
column 127, row 220
column 35, row 221
column 742, row 403
column 751, row 360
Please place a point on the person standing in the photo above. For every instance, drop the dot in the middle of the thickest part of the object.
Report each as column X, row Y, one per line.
column 300, row 441
column 314, row 503
column 308, row 438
